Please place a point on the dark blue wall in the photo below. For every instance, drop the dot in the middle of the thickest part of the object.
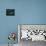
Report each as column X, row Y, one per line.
column 26, row 12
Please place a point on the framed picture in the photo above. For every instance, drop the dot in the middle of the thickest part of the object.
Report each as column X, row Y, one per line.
column 10, row 12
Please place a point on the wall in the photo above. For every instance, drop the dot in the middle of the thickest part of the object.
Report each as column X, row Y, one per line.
column 26, row 12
